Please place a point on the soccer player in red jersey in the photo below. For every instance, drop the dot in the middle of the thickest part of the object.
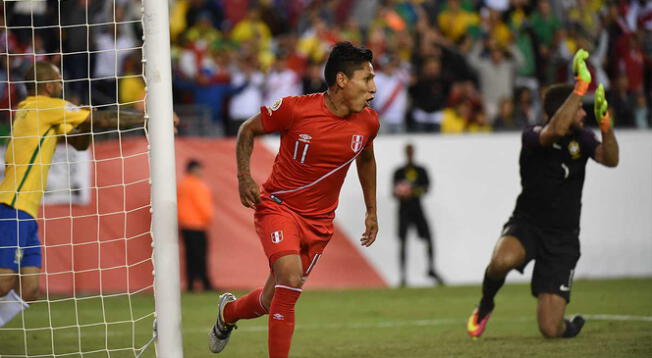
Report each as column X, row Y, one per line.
column 321, row 135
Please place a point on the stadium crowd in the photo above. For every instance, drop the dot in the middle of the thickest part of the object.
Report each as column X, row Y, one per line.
column 447, row 66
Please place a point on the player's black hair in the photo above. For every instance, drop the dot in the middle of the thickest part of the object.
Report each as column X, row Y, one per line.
column 192, row 164
column 554, row 96
column 37, row 75
column 345, row 58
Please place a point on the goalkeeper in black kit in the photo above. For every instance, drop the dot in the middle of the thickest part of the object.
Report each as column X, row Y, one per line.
column 544, row 226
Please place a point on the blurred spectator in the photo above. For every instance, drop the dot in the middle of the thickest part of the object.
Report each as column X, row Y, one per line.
column 75, row 16
column 585, row 13
column 195, row 208
column 248, row 83
column 10, row 94
column 630, row 62
column 460, row 117
column 496, row 71
column 492, row 26
column 112, row 46
column 316, row 40
column 524, row 39
column 506, row 119
column 391, row 99
column 641, row 112
column 456, row 117
column 527, row 107
column 198, row 10
column 429, row 92
column 281, row 82
column 209, row 84
column 313, row 81
column 274, row 15
column 253, row 30
column 25, row 14
column 545, row 26
column 454, row 21
column 131, row 87
column 622, row 102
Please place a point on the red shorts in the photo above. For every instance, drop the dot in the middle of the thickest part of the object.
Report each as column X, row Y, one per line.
column 284, row 232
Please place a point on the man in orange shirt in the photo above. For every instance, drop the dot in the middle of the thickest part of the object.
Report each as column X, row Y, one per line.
column 195, row 214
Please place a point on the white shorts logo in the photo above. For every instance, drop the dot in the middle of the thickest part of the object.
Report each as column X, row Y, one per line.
column 277, row 236
column 18, row 258
column 357, row 142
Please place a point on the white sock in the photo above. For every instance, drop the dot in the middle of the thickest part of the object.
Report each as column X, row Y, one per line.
column 10, row 306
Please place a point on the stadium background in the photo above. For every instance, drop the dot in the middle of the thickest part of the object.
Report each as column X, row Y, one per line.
column 284, row 43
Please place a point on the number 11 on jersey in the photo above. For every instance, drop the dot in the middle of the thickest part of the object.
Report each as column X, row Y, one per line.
column 300, row 152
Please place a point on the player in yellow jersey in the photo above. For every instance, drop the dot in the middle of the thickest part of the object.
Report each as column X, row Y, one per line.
column 41, row 120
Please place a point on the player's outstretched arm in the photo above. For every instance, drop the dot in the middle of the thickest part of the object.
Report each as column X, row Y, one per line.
column 112, row 119
column 607, row 153
column 80, row 137
column 561, row 121
column 249, row 193
column 366, row 165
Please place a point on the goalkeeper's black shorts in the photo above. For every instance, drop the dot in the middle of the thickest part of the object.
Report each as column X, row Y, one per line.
column 555, row 253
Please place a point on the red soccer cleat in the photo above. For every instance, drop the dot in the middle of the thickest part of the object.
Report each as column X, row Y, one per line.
column 475, row 328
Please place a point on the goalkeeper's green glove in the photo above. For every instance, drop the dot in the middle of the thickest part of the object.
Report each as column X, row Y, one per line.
column 582, row 74
column 600, row 109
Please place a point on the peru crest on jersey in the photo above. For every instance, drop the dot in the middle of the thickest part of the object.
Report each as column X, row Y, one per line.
column 357, row 142
column 277, row 236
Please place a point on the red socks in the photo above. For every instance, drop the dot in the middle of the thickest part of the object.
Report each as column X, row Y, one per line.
column 281, row 320
column 281, row 316
column 246, row 307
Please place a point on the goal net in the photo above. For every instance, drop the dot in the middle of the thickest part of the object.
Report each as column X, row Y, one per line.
column 96, row 285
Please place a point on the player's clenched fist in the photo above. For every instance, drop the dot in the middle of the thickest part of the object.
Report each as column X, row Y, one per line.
column 249, row 193
column 600, row 109
column 371, row 230
column 581, row 72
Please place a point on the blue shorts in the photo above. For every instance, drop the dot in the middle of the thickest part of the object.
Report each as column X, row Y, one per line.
column 19, row 243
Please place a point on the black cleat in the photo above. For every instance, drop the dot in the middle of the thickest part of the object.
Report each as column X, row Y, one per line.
column 573, row 326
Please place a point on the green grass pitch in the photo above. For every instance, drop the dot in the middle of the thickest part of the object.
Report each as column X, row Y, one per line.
column 402, row 323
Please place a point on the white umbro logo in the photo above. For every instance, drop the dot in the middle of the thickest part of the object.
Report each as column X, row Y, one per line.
column 277, row 236
column 278, row 317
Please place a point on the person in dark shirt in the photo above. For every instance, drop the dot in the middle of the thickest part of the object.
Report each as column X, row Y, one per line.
column 410, row 184
column 545, row 223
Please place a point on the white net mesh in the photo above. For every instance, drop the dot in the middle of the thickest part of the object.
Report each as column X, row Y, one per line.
column 95, row 289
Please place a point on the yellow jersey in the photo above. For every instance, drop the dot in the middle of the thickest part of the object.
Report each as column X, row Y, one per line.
column 39, row 121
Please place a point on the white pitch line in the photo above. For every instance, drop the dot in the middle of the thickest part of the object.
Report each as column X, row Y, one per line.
column 437, row 322
column 617, row 317
column 383, row 324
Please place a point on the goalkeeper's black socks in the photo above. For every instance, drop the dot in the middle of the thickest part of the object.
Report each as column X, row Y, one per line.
column 573, row 327
column 490, row 287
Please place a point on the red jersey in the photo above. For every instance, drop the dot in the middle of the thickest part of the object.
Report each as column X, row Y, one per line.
column 314, row 142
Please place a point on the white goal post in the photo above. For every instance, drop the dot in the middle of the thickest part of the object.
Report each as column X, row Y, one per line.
column 164, row 200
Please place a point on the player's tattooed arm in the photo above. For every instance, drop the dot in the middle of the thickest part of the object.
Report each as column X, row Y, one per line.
column 249, row 193
column 366, row 165
column 113, row 119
